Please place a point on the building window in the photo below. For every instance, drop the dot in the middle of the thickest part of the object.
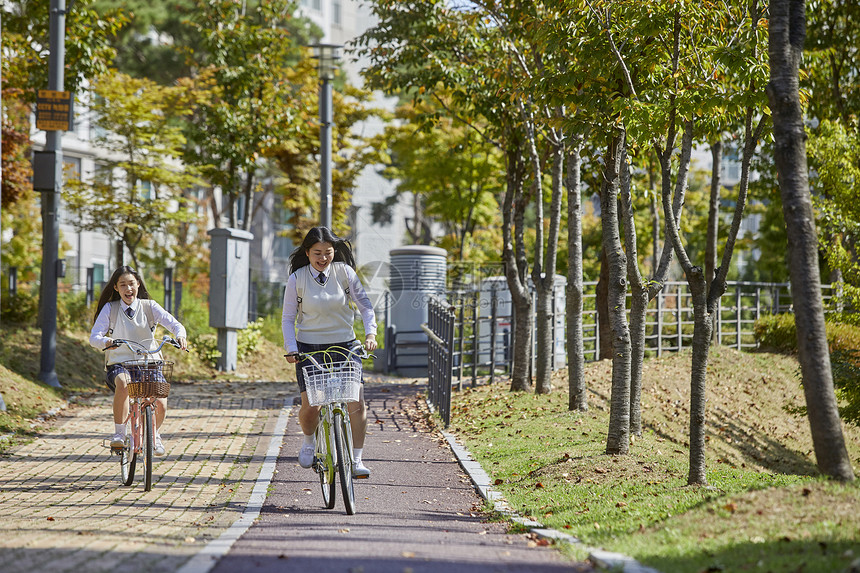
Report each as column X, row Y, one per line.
column 336, row 15
column 145, row 189
column 98, row 274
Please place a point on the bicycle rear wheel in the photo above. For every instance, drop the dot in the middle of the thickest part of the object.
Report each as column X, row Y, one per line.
column 324, row 468
column 344, row 461
column 127, row 460
column 148, row 445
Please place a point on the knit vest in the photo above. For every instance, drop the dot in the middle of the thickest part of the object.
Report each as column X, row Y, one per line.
column 326, row 316
column 136, row 328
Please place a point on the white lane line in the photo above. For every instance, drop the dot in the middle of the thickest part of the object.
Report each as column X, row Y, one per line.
column 207, row 557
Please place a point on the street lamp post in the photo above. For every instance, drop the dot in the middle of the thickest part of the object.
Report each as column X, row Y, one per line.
column 51, row 202
column 327, row 56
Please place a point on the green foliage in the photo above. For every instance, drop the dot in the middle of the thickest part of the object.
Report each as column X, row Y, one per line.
column 834, row 156
column 778, row 332
column 206, row 348
column 270, row 328
column 73, row 314
column 830, row 59
column 249, row 339
column 248, row 343
column 26, row 46
column 450, row 172
column 242, row 62
column 133, row 194
column 23, row 309
column 163, row 61
column 846, row 380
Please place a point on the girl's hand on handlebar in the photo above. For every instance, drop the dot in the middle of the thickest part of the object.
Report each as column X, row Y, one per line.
column 292, row 357
column 370, row 342
column 183, row 343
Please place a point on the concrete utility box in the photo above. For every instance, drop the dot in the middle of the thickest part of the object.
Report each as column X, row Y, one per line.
column 229, row 281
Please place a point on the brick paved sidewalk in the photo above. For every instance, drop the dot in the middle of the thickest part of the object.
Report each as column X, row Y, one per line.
column 62, row 507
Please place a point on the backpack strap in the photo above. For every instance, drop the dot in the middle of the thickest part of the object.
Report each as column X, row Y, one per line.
column 301, row 282
column 344, row 283
column 146, row 303
column 114, row 311
column 342, row 276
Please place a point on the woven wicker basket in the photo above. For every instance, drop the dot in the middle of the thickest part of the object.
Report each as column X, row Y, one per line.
column 148, row 389
column 149, row 380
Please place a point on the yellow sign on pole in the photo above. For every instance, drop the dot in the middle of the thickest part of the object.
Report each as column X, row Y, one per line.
column 54, row 110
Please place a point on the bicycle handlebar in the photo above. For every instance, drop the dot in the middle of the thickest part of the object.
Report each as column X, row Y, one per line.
column 348, row 351
column 139, row 348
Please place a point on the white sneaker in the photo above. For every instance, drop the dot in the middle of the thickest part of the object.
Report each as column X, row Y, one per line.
column 359, row 471
column 117, row 441
column 158, row 447
column 306, row 455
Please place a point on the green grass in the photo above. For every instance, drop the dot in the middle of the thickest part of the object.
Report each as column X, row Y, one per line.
column 765, row 507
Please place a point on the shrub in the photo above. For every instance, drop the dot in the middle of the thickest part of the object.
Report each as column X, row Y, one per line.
column 22, row 310
column 846, row 380
column 778, row 332
column 248, row 339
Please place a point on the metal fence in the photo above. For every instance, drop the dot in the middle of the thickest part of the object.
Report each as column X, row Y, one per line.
column 440, row 349
column 475, row 337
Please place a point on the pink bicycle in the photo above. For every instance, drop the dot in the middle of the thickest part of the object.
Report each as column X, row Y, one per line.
column 150, row 380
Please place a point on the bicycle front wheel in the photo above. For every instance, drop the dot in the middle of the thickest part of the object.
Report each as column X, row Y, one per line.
column 127, row 460
column 325, row 465
column 344, row 461
column 148, row 445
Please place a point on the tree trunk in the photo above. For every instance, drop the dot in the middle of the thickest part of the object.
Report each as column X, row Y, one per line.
column 618, row 439
column 639, row 299
column 601, row 302
column 702, row 331
column 248, row 193
column 654, row 210
column 513, row 256
column 787, row 31
column 713, row 212
column 578, row 396
column 544, row 277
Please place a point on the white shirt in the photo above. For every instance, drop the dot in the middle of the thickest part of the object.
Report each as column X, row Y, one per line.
column 356, row 293
column 99, row 338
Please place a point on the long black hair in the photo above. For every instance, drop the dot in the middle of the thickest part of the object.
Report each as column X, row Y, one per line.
column 342, row 248
column 109, row 293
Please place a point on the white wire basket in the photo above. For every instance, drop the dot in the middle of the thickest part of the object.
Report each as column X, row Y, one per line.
column 339, row 382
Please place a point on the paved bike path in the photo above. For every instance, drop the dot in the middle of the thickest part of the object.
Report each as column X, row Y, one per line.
column 418, row 512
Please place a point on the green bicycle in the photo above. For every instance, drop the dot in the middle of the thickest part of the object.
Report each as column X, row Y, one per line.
column 331, row 386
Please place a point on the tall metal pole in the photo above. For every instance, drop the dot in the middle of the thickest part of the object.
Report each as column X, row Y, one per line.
column 327, row 55
column 325, row 151
column 50, row 204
